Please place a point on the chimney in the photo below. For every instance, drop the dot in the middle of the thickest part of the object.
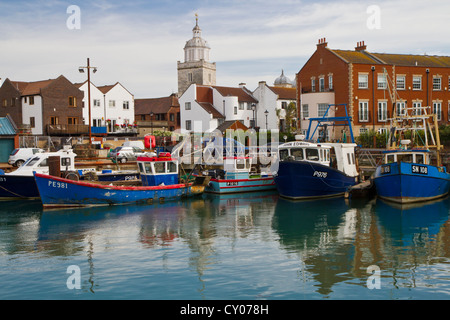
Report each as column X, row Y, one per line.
column 242, row 85
column 322, row 43
column 360, row 46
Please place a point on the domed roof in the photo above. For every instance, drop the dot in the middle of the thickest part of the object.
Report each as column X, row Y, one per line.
column 282, row 79
column 197, row 40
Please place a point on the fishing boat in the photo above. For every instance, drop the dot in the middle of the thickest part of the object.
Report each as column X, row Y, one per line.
column 238, row 176
column 409, row 173
column 20, row 184
column 309, row 169
column 159, row 182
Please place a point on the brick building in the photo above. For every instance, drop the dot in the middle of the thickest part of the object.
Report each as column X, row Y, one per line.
column 372, row 85
column 161, row 114
column 42, row 105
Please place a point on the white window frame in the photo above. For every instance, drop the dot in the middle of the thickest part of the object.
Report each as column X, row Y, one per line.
column 417, row 108
column 437, row 109
column 313, row 84
column 305, row 111
column 321, row 84
column 381, row 81
column 363, row 81
column 400, row 108
column 382, row 111
column 401, row 82
column 363, row 111
column 321, row 109
column 417, row 83
column 188, row 125
column 330, row 82
column 437, row 83
column 187, row 106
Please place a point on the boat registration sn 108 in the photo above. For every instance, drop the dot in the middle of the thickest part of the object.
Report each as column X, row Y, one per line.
column 419, row 169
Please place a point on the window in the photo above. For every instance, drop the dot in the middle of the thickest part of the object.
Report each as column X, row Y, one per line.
column 313, row 85
column 312, row 154
column 363, row 130
column 283, row 105
column 5, row 102
column 31, row 100
column 160, row 167
column 322, row 108
column 437, row 83
column 235, row 110
column 187, row 106
column 382, row 111
column 417, row 108
column 72, row 102
column 417, row 82
column 126, row 105
column 32, row 122
column 96, row 102
column 241, row 106
column 297, row 154
column 190, row 77
column 249, row 106
column 305, row 111
column 112, row 103
column 401, row 82
column 321, row 84
column 172, row 117
column 73, row 120
column 382, row 83
column 330, row 81
column 188, row 125
column 401, row 108
column 363, row 81
column 171, row 167
column 437, row 110
column 54, row 120
column 363, row 111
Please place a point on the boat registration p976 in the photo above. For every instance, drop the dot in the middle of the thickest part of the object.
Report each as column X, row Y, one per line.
column 57, row 184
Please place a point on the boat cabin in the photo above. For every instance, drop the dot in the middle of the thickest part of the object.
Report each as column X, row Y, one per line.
column 156, row 171
column 39, row 162
column 237, row 167
column 419, row 156
column 340, row 156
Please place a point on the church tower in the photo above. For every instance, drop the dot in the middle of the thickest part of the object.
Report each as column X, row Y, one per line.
column 196, row 67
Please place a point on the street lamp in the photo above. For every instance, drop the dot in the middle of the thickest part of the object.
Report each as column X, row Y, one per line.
column 266, row 113
column 151, row 121
column 81, row 70
column 254, row 108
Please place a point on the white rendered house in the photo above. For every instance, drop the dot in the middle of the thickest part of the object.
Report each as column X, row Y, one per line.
column 204, row 108
column 110, row 105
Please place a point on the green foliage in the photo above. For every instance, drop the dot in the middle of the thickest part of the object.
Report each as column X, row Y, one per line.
column 444, row 133
column 366, row 139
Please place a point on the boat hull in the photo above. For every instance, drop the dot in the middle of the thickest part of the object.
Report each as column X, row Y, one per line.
column 16, row 187
column 408, row 182
column 58, row 192
column 225, row 186
column 303, row 180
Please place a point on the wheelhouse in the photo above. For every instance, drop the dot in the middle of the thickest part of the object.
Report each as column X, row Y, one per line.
column 410, row 156
column 156, row 171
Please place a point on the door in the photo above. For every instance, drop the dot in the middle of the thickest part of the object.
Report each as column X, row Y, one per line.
column 6, row 147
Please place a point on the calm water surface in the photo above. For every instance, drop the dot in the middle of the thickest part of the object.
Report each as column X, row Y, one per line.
column 253, row 246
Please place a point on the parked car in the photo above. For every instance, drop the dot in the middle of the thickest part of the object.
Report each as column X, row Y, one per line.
column 20, row 155
column 124, row 154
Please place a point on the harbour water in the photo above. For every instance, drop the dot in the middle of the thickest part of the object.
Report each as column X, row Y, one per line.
column 238, row 247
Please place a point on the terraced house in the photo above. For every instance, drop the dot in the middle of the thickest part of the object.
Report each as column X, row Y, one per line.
column 372, row 85
column 43, row 106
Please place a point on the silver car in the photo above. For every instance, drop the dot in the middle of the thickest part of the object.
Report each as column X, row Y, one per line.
column 124, row 154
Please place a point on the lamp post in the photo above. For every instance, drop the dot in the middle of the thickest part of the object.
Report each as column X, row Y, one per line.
column 81, row 70
column 151, row 121
column 253, row 109
column 266, row 113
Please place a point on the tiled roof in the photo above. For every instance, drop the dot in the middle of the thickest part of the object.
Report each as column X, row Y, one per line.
column 210, row 109
column 242, row 94
column 414, row 60
column 155, row 105
column 285, row 93
column 364, row 57
column 105, row 89
column 31, row 88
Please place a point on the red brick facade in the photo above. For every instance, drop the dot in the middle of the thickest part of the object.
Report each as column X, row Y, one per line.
column 358, row 81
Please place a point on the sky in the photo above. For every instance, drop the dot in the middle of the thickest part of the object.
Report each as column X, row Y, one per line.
column 138, row 43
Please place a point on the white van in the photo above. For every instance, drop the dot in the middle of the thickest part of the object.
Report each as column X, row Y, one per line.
column 20, row 155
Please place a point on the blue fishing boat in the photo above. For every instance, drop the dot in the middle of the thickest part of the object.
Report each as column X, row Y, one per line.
column 317, row 169
column 20, row 184
column 237, row 177
column 409, row 173
column 159, row 182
